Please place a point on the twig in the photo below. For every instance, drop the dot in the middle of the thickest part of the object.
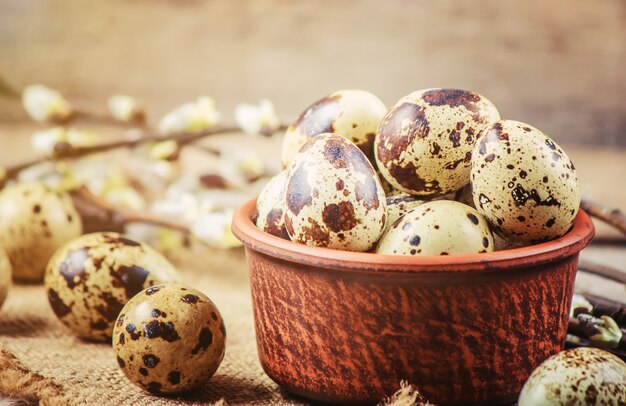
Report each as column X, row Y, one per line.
column 613, row 217
column 604, row 271
column 99, row 118
column 8, row 91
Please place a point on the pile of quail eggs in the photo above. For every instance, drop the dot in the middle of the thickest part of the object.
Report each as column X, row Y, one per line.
column 440, row 173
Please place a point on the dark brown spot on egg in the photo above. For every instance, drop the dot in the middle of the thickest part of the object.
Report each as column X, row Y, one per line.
column 58, row 306
column 152, row 290
column 509, row 166
column 452, row 98
column 339, row 217
column 143, row 371
column 340, row 184
column 155, row 313
column 298, row 190
column 407, row 177
column 550, row 144
column 111, row 308
column 121, row 362
column 273, row 224
column 214, row 316
column 72, row 268
column 367, row 146
column 472, row 218
column 151, row 360
column 173, row 377
column 154, row 387
column 119, row 240
column 435, row 149
column 523, row 174
column 485, row 242
column 489, row 158
column 550, row 222
column 545, row 179
column 157, row 329
column 521, row 218
column 36, row 209
column 453, row 165
column 483, row 199
column 319, row 117
column 415, row 240
column 189, row 298
column 314, row 232
column 122, row 339
column 204, row 341
column 455, row 137
column 130, row 278
column 132, row 330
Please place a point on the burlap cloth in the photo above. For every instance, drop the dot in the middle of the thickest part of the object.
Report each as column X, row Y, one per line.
column 54, row 367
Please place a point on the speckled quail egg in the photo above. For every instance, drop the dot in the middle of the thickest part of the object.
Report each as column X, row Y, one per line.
column 5, row 275
column 90, row 279
column 333, row 197
column 398, row 205
column 424, row 144
column 270, row 207
column 578, row 377
column 523, row 183
column 439, row 227
column 34, row 222
column 169, row 338
column 353, row 114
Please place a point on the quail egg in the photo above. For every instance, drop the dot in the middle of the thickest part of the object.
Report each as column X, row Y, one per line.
column 398, row 205
column 333, row 196
column 523, row 183
column 270, row 207
column 439, row 227
column 169, row 338
column 424, row 144
column 34, row 222
column 354, row 114
column 582, row 376
column 5, row 275
column 89, row 279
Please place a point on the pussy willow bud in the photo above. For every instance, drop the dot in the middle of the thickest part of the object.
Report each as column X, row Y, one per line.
column 45, row 104
column 191, row 117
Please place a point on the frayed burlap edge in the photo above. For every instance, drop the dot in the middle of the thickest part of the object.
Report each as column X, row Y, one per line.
column 16, row 380
column 407, row 395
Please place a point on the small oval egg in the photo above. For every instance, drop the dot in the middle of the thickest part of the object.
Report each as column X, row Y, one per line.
column 581, row 376
column 90, row 279
column 169, row 338
column 333, row 196
column 523, row 183
column 34, row 222
column 270, row 207
column 398, row 205
column 424, row 144
column 5, row 276
column 353, row 114
column 439, row 227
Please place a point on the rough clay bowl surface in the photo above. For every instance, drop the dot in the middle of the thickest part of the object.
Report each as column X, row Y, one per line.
column 347, row 327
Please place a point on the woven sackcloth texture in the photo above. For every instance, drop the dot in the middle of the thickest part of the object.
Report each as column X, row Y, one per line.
column 40, row 360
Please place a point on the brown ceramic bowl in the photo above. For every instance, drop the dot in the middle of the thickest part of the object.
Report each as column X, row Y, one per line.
column 347, row 327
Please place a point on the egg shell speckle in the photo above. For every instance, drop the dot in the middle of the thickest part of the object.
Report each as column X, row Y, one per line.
column 270, row 207
column 353, row 114
column 169, row 338
column 333, row 196
column 438, row 228
column 581, row 376
column 34, row 222
column 398, row 205
column 424, row 144
column 523, row 183
column 5, row 276
column 91, row 278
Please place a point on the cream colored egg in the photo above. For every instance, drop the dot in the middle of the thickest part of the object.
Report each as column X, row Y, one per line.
column 34, row 222
column 523, row 183
column 398, row 205
column 582, row 376
column 270, row 207
column 424, row 144
column 5, row 276
column 333, row 196
column 353, row 114
column 439, row 227
column 169, row 338
column 91, row 278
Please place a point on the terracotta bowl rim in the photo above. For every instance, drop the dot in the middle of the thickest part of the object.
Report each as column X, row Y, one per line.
column 569, row 244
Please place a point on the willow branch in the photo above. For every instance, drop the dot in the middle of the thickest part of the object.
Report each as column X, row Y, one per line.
column 604, row 271
column 613, row 217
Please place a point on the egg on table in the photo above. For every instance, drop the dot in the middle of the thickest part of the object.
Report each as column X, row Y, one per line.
column 34, row 222
column 424, row 144
column 398, row 205
column 5, row 275
column 169, row 338
column 333, row 196
column 353, row 114
column 439, row 227
column 91, row 278
column 581, row 376
column 270, row 207
column 523, row 183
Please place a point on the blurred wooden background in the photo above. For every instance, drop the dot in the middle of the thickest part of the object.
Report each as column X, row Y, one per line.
column 558, row 65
